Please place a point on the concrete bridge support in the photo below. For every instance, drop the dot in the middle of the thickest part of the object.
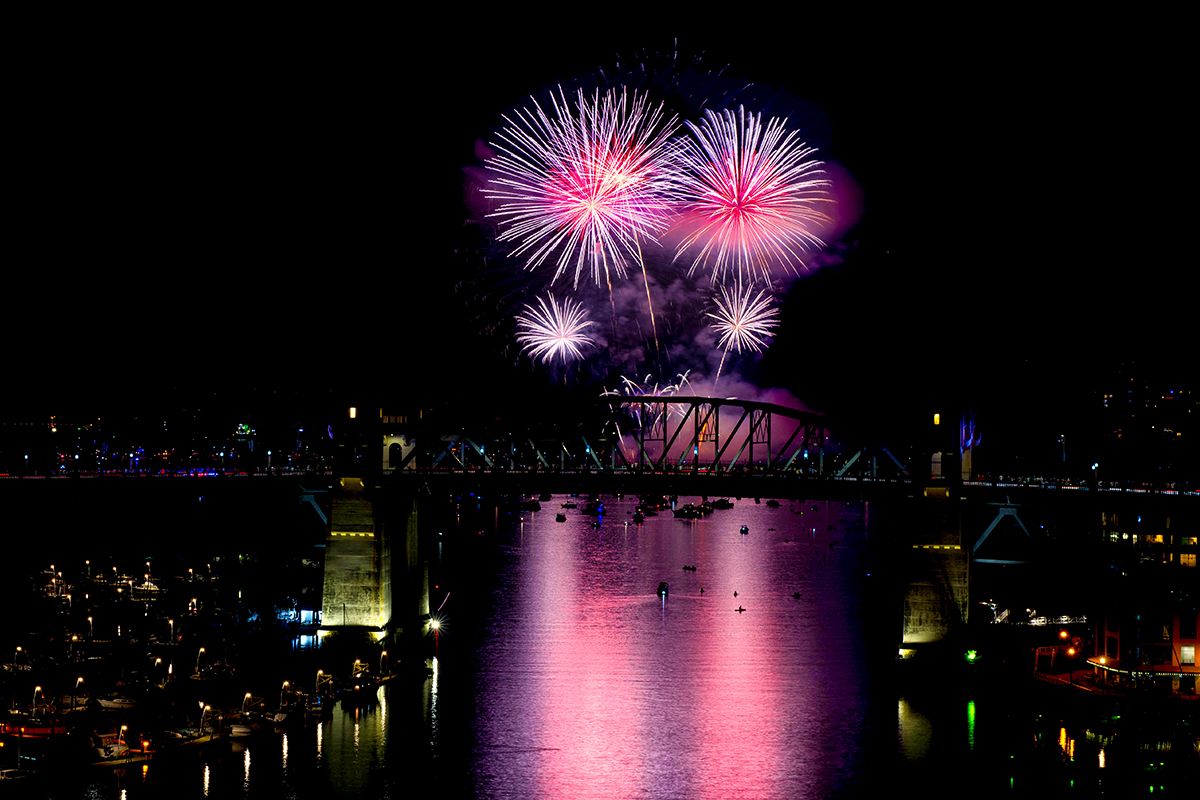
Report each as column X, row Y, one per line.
column 937, row 569
column 358, row 564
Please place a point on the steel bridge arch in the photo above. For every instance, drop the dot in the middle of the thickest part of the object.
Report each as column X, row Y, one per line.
column 692, row 424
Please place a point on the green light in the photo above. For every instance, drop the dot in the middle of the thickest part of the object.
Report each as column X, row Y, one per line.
column 970, row 724
column 972, row 656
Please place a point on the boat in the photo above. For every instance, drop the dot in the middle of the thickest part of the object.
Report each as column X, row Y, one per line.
column 662, row 590
column 15, row 775
column 689, row 567
column 560, row 517
column 111, row 750
column 689, row 511
column 745, row 529
column 188, row 737
column 569, row 504
column 117, row 702
column 638, row 517
column 772, row 504
column 722, row 503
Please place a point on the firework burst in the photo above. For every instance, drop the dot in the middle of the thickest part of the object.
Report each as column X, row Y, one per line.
column 744, row 318
column 586, row 184
column 750, row 196
column 553, row 329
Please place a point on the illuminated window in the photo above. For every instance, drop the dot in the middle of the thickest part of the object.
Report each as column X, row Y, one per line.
column 1187, row 559
column 1192, row 540
column 1187, row 655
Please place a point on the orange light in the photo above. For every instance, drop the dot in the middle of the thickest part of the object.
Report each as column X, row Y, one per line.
column 1070, row 651
column 1063, row 634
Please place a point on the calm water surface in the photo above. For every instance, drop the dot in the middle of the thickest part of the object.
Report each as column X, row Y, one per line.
column 562, row 674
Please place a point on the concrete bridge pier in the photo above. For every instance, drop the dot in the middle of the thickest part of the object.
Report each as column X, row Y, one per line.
column 357, row 590
column 936, row 576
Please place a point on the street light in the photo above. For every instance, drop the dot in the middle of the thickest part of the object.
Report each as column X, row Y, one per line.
column 283, row 690
column 171, row 622
column 245, row 700
column 382, row 658
column 198, row 654
column 121, row 737
column 33, row 704
column 75, row 691
column 91, row 630
column 203, row 713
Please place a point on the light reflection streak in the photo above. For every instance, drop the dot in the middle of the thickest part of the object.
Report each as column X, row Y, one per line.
column 246, row 767
column 320, row 738
column 915, row 731
column 970, row 724
column 285, row 751
column 206, row 777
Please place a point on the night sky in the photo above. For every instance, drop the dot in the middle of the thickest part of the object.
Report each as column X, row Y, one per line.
column 277, row 208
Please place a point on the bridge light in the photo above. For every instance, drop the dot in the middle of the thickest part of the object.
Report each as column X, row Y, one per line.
column 937, row 419
column 353, row 412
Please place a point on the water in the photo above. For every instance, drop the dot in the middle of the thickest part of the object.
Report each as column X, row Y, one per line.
column 560, row 673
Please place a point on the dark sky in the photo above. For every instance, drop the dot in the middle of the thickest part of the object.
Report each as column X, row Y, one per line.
column 212, row 206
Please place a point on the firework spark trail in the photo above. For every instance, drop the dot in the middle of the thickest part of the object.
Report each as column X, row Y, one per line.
column 750, row 196
column 584, row 184
column 553, row 329
column 745, row 319
column 654, row 418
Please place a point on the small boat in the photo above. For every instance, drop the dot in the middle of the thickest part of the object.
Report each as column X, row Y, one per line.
column 569, row 504
column 662, row 590
column 15, row 775
column 722, row 503
column 689, row 567
column 739, row 609
column 560, row 517
column 745, row 529
column 117, row 702
column 772, row 504
column 639, row 517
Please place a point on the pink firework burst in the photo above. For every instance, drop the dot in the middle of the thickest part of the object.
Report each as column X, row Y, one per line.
column 584, row 185
column 750, row 196
column 744, row 319
column 553, row 329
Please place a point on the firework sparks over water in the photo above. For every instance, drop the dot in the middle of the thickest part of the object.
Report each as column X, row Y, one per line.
column 553, row 329
column 744, row 318
column 584, row 184
column 751, row 197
